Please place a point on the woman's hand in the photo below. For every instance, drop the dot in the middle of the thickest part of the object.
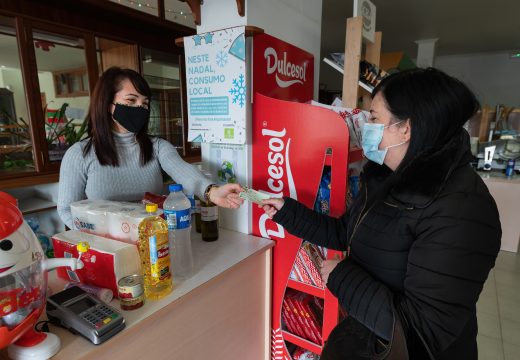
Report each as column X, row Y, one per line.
column 226, row 196
column 327, row 266
column 271, row 206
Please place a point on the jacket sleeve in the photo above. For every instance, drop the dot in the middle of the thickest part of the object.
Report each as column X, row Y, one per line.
column 316, row 228
column 455, row 248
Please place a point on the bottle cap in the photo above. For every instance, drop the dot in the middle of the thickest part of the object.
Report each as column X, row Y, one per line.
column 175, row 187
column 151, row 208
column 83, row 246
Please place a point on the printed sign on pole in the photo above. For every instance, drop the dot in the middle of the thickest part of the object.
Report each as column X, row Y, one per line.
column 367, row 10
column 216, row 86
column 281, row 70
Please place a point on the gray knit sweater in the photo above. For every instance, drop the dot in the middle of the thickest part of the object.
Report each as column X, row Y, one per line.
column 83, row 177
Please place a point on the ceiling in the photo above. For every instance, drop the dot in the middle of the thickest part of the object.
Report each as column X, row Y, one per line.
column 461, row 26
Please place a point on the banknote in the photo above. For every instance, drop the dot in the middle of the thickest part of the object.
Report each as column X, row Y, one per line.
column 253, row 195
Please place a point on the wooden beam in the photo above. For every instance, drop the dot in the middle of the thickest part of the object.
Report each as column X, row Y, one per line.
column 353, row 42
column 161, row 9
column 373, row 50
column 484, row 123
column 241, row 7
column 195, row 9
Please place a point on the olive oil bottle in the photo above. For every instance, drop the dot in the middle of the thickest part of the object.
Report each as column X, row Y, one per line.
column 155, row 255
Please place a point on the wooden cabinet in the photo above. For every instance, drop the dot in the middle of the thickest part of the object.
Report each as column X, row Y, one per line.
column 71, row 83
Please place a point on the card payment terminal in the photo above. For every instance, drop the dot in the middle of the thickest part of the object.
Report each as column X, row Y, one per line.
column 84, row 314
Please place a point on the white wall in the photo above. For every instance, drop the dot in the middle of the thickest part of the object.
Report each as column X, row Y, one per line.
column 12, row 78
column 296, row 21
column 494, row 77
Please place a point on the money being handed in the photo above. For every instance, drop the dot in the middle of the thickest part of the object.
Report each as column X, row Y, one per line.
column 253, row 195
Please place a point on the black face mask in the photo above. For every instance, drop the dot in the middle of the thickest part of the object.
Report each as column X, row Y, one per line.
column 132, row 118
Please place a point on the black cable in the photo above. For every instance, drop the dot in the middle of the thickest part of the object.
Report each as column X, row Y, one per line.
column 44, row 327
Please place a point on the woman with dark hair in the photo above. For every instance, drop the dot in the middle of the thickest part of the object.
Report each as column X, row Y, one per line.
column 424, row 234
column 119, row 160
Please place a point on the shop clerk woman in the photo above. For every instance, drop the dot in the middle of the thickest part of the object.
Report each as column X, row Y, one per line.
column 425, row 232
column 118, row 160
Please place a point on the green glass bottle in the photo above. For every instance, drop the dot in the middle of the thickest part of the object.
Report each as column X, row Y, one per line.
column 209, row 220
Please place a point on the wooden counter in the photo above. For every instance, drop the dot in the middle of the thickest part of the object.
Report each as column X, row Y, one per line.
column 221, row 312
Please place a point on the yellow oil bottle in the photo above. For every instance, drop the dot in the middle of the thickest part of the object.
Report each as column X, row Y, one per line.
column 155, row 255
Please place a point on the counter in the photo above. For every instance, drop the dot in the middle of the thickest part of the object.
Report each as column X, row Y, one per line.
column 506, row 192
column 221, row 312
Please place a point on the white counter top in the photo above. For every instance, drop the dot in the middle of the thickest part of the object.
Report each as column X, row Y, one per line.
column 498, row 176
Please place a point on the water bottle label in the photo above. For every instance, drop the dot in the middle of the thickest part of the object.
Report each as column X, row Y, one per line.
column 197, row 207
column 178, row 219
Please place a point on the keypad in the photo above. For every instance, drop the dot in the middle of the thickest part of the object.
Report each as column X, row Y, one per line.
column 99, row 316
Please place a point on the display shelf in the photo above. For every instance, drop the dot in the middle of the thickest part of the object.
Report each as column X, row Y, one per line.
column 35, row 204
column 335, row 66
column 306, row 288
column 355, row 155
column 299, row 341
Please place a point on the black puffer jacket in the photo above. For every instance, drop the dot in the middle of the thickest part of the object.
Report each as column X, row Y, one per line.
column 428, row 246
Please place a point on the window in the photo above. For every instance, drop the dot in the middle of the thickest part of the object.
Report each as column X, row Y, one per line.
column 46, row 77
column 146, row 6
column 70, row 83
column 16, row 151
column 162, row 72
column 64, row 89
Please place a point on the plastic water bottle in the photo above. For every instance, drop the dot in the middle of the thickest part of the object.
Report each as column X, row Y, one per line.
column 177, row 212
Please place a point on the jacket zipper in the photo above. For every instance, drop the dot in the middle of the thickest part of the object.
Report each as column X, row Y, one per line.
column 359, row 220
column 396, row 206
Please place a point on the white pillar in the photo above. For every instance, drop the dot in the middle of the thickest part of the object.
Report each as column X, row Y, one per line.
column 426, row 52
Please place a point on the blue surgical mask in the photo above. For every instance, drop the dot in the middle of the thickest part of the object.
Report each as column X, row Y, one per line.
column 371, row 137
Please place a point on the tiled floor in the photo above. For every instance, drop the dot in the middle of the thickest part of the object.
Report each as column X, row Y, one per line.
column 498, row 311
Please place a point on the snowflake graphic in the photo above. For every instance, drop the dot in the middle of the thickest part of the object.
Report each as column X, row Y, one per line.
column 222, row 58
column 238, row 91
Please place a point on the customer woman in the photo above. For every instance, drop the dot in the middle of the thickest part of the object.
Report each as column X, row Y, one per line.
column 119, row 160
column 424, row 234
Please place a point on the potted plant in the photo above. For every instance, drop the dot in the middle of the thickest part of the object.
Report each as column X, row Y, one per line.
column 16, row 151
column 62, row 132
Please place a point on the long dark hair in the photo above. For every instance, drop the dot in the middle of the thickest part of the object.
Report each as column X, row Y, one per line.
column 100, row 123
column 436, row 104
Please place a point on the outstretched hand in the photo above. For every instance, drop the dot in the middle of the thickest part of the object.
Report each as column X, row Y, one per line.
column 271, row 206
column 226, row 196
column 327, row 266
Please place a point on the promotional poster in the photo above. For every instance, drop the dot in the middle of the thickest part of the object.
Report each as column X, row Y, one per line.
column 216, row 86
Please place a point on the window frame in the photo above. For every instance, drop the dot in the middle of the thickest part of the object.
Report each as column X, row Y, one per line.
column 29, row 19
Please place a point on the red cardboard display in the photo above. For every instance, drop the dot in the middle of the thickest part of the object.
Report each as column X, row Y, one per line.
column 290, row 142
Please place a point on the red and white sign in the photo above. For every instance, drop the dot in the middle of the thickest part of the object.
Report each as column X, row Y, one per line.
column 281, row 70
column 290, row 142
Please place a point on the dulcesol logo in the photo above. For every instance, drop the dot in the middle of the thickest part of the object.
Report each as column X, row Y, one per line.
column 286, row 73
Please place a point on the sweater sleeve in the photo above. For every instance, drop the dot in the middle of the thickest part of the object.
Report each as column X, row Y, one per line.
column 316, row 228
column 192, row 180
column 447, row 267
column 73, row 180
